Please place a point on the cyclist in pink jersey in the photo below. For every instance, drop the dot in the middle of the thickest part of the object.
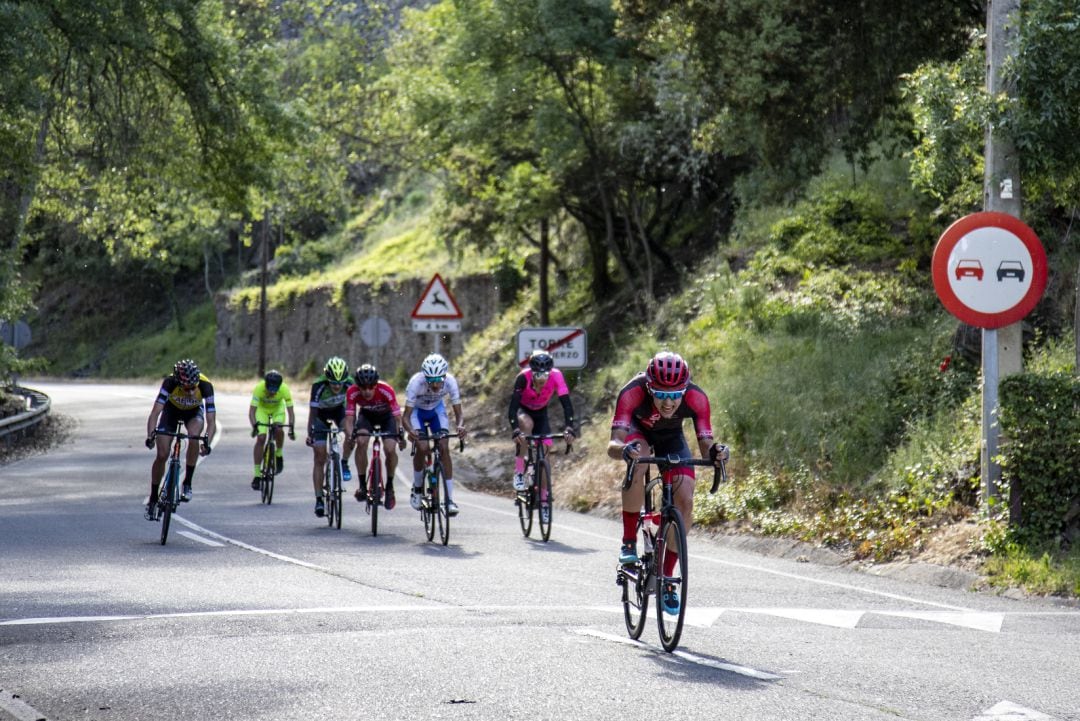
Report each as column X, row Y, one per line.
column 529, row 400
column 649, row 412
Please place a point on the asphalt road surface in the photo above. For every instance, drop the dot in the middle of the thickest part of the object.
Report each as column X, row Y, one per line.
column 263, row 612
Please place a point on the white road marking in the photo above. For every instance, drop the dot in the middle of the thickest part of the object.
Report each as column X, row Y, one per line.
column 248, row 546
column 837, row 618
column 692, row 658
column 200, row 539
column 1008, row 711
column 980, row 621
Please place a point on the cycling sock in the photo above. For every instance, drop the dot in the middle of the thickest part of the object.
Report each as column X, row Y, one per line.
column 417, row 478
column 519, row 464
column 629, row 526
column 189, row 471
column 258, row 470
column 670, row 559
column 449, row 488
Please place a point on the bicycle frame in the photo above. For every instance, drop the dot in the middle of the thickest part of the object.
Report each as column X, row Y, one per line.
column 663, row 534
column 169, row 488
column 269, row 460
column 332, row 476
column 434, row 494
column 375, row 484
column 538, row 494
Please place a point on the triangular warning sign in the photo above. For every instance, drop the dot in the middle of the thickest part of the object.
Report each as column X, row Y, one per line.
column 436, row 301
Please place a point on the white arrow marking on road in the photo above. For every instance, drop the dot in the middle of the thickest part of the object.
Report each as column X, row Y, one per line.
column 828, row 617
column 979, row 621
column 1008, row 711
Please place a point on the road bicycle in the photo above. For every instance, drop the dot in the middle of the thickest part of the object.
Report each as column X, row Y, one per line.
column 268, row 469
column 662, row 530
column 434, row 495
column 169, row 488
column 537, row 494
column 332, row 479
column 374, row 482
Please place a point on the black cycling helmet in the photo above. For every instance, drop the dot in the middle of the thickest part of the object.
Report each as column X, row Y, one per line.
column 273, row 381
column 186, row 373
column 541, row 361
column 366, row 375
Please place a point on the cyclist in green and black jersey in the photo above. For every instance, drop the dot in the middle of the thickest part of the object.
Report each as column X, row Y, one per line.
column 328, row 406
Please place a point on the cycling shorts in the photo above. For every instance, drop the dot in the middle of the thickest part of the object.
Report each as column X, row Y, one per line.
column 321, row 424
column 541, row 424
column 264, row 417
column 434, row 418
column 172, row 415
column 664, row 443
column 368, row 421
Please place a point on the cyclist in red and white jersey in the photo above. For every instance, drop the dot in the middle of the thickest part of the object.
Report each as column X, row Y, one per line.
column 649, row 412
column 533, row 389
column 371, row 402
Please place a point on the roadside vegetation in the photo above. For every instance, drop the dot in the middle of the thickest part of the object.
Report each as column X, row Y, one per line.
column 702, row 177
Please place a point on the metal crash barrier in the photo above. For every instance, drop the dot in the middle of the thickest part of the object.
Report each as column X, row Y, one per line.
column 37, row 409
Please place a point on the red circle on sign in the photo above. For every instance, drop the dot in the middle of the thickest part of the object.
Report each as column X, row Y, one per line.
column 940, row 269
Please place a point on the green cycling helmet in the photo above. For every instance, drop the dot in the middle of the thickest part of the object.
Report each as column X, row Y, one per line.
column 336, row 370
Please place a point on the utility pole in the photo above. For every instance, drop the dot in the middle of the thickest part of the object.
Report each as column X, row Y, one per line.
column 1002, row 349
column 545, row 261
column 264, row 238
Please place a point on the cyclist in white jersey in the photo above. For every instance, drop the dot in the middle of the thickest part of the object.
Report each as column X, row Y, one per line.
column 425, row 407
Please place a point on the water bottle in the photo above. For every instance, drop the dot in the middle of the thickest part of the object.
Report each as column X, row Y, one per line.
column 650, row 523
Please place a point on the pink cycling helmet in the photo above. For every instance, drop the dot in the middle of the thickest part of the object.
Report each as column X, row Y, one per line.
column 667, row 371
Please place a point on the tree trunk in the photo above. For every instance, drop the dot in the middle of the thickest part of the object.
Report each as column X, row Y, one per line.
column 545, row 256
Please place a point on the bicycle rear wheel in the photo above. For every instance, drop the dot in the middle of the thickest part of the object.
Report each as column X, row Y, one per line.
column 671, row 539
column 172, row 478
column 526, row 501
column 544, row 500
column 335, row 494
column 375, row 494
column 444, row 498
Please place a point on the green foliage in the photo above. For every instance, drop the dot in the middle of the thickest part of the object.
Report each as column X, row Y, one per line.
column 153, row 354
column 1042, row 569
column 1040, row 453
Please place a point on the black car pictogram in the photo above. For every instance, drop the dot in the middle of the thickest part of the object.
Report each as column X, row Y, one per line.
column 1010, row 269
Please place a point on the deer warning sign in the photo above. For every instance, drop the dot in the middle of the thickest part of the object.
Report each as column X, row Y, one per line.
column 436, row 303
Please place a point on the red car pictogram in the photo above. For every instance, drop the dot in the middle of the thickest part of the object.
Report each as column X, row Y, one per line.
column 969, row 267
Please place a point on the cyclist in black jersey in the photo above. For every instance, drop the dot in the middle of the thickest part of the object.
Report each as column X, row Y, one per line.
column 328, row 406
column 185, row 397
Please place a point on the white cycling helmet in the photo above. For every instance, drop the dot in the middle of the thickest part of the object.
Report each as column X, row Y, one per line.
column 434, row 366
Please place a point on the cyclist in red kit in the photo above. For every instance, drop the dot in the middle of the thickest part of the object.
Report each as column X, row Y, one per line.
column 649, row 412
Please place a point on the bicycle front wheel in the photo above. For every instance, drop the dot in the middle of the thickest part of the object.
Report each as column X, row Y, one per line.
column 635, row 596
column 267, row 482
column 168, row 493
column 443, row 514
column 335, row 494
column 671, row 587
column 328, row 495
column 544, row 502
column 429, row 504
column 526, row 501
column 375, row 494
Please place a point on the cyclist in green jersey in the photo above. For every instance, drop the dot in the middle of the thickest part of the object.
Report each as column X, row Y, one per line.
column 328, row 406
column 271, row 402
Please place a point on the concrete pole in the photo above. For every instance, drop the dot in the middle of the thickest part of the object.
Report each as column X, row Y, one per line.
column 1002, row 349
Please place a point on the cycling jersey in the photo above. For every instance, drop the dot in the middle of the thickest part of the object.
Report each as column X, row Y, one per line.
column 271, row 404
column 536, row 402
column 635, row 408
column 383, row 401
column 418, row 393
column 324, row 397
column 173, row 394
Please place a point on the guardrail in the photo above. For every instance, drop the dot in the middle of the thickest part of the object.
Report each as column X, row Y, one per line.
column 38, row 405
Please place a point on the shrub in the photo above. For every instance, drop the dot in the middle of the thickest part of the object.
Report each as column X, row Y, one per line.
column 1040, row 453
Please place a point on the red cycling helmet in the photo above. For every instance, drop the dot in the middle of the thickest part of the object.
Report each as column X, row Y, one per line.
column 667, row 371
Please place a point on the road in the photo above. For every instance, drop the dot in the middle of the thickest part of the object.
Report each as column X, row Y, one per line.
column 263, row 612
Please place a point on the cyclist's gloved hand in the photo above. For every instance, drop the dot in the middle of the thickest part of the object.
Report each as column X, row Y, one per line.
column 292, row 435
column 518, row 433
column 462, row 433
column 629, row 450
column 254, row 431
column 719, row 452
column 569, row 433
column 149, row 441
column 309, row 441
column 205, row 448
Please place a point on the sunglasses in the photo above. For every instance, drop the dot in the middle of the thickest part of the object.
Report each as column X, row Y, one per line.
column 667, row 395
column 367, row 388
column 434, row 379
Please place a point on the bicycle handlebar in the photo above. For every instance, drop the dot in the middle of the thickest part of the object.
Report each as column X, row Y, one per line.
column 188, row 436
column 429, row 437
column 673, row 459
column 275, row 424
column 546, row 437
